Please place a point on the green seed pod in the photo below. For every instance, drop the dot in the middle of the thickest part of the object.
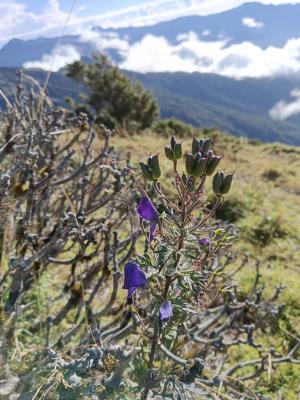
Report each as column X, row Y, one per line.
column 153, row 163
column 195, row 146
column 169, row 153
column 199, row 167
column 205, row 146
column 173, row 142
column 147, row 173
column 177, row 151
column 189, row 164
column 216, row 184
column 212, row 165
column 226, row 184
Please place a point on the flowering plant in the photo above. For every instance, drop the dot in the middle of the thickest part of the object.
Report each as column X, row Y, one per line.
column 173, row 282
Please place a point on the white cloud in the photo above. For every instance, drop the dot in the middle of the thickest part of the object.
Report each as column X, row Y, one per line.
column 206, row 32
column 17, row 22
column 191, row 54
column 155, row 54
column 252, row 23
column 105, row 40
column 283, row 109
column 59, row 58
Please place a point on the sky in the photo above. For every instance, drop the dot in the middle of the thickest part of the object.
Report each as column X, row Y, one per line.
column 27, row 19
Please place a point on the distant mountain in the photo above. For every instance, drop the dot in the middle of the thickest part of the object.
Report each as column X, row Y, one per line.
column 16, row 52
column 239, row 107
column 203, row 100
column 273, row 26
column 59, row 86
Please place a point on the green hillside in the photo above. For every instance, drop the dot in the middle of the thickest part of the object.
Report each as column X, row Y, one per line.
column 238, row 107
column 203, row 100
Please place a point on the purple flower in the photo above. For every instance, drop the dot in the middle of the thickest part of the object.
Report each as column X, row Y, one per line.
column 166, row 311
column 204, row 242
column 148, row 212
column 134, row 278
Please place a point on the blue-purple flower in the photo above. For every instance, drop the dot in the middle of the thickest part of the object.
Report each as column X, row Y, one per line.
column 148, row 212
column 204, row 242
column 166, row 311
column 134, row 278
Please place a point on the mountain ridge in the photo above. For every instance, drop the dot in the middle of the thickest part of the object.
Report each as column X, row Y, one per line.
column 203, row 100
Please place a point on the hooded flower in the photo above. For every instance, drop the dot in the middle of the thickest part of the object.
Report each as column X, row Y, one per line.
column 166, row 311
column 148, row 212
column 134, row 278
column 204, row 242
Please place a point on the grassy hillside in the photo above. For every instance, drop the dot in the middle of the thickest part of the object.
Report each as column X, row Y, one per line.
column 264, row 203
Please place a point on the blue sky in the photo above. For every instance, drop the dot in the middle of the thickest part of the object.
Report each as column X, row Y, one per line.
column 85, row 7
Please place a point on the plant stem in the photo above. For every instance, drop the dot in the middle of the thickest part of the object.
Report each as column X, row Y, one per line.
column 154, row 343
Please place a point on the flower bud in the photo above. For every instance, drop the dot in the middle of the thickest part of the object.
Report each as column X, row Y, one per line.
column 169, row 153
column 199, row 167
column 189, row 164
column 197, row 145
column 221, row 183
column 147, row 173
column 216, row 184
column 195, row 164
column 177, row 151
column 212, row 164
column 226, row 185
column 205, row 146
column 153, row 163
column 201, row 146
column 173, row 142
column 173, row 152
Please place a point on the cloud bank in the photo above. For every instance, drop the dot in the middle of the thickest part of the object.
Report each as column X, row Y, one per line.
column 59, row 58
column 284, row 109
column 191, row 54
